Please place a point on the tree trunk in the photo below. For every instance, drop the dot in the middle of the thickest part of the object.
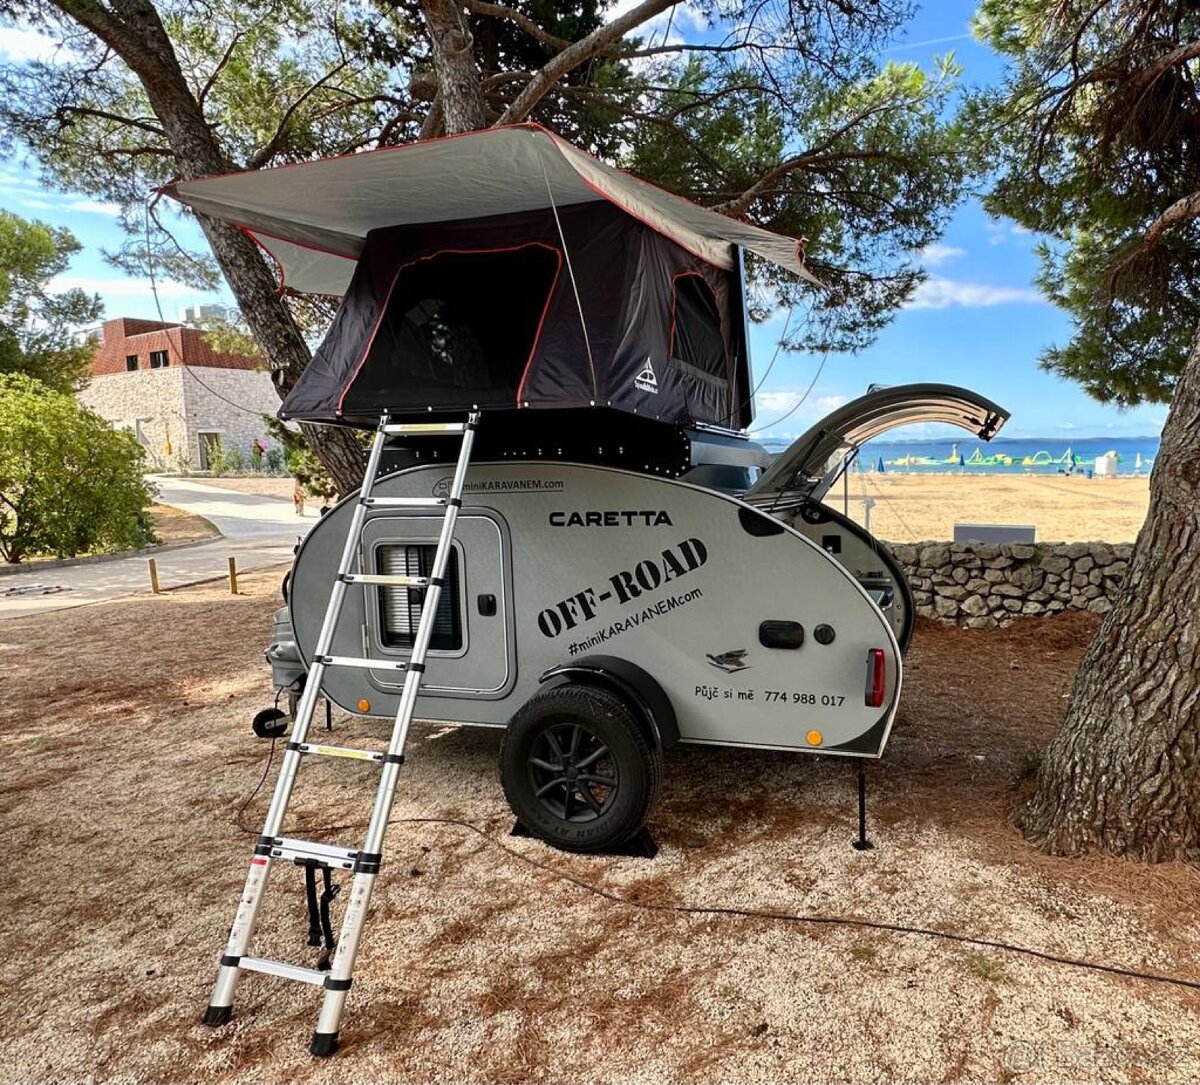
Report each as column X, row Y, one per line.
column 460, row 92
column 134, row 30
column 1123, row 772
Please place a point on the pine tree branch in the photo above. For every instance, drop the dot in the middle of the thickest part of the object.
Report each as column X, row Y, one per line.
column 501, row 11
column 272, row 147
column 576, row 54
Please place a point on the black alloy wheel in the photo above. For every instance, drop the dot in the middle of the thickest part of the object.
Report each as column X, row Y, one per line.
column 579, row 768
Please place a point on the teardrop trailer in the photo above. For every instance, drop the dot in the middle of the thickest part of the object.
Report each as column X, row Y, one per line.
column 563, row 529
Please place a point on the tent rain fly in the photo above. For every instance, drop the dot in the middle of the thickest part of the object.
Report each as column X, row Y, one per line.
column 504, row 268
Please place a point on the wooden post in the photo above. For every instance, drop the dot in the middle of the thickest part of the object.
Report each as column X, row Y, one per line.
column 232, row 575
column 153, row 575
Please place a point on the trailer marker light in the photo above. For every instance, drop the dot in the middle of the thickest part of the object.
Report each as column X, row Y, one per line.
column 815, row 738
column 876, row 677
column 364, row 705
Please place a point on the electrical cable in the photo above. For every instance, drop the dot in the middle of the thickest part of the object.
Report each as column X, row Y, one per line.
column 184, row 367
column 799, row 403
column 812, row 919
column 761, row 914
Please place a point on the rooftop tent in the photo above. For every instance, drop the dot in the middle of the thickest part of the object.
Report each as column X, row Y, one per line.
column 504, row 268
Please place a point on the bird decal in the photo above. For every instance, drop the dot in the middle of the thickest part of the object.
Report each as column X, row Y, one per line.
column 730, row 662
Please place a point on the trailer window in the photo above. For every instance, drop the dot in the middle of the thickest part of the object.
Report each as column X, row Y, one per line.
column 401, row 607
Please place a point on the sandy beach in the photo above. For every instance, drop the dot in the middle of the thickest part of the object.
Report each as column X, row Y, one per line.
column 911, row 508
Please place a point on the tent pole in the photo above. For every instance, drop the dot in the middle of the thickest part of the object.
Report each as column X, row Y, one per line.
column 587, row 344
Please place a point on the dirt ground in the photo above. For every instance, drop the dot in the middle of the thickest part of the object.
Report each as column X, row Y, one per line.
column 173, row 525
column 266, row 487
column 125, row 755
column 912, row 508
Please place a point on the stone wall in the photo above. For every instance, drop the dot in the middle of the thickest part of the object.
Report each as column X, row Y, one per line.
column 983, row 586
column 148, row 403
column 168, row 409
column 230, row 402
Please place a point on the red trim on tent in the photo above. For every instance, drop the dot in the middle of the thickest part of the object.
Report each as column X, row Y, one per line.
column 387, row 299
column 674, row 288
column 359, row 154
column 270, row 256
column 532, row 126
column 537, row 335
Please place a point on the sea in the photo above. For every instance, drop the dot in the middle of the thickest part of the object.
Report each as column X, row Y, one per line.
column 1003, row 456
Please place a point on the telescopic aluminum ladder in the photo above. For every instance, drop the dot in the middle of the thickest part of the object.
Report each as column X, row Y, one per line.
column 363, row 862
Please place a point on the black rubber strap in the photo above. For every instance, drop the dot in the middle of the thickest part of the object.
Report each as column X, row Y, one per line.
column 331, row 891
column 393, row 759
column 265, row 845
column 437, row 582
column 230, row 962
column 310, row 894
column 418, row 667
column 454, row 502
column 295, row 747
column 337, row 985
column 368, row 862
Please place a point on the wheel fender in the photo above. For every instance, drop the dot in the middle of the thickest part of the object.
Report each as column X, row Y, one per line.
column 640, row 688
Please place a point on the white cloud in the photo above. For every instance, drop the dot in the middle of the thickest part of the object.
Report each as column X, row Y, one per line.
column 20, row 45
column 35, row 203
column 96, row 284
column 10, row 180
column 780, row 401
column 936, row 254
column 939, row 293
column 95, row 207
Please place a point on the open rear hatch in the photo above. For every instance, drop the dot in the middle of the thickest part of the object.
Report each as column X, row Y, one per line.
column 816, row 460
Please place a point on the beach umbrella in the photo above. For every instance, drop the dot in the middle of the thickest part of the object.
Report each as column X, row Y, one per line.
column 879, row 468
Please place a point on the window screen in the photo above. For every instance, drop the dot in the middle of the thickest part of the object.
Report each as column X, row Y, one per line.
column 696, row 326
column 401, row 607
column 458, row 330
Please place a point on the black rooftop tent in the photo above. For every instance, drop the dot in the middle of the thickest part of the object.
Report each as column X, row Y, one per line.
column 504, row 269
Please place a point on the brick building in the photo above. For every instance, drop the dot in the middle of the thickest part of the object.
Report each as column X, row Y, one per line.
column 176, row 394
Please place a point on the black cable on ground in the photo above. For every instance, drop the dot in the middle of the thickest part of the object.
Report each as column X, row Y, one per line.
column 812, row 920
column 767, row 915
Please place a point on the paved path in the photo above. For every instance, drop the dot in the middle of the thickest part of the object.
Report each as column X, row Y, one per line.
column 258, row 531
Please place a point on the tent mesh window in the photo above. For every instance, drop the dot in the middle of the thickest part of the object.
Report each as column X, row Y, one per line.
column 696, row 325
column 458, row 328
column 401, row 607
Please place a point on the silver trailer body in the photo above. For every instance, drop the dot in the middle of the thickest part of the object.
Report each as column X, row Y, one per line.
column 757, row 635
column 766, row 617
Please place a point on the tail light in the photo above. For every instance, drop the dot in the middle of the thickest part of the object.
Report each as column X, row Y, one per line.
column 876, row 677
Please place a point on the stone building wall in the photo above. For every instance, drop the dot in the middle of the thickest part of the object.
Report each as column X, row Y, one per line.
column 148, row 403
column 982, row 586
column 230, row 402
column 168, row 410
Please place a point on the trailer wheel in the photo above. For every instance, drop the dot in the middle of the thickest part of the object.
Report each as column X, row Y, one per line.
column 578, row 768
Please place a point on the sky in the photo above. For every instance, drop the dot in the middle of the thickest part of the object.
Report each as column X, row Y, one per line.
column 978, row 321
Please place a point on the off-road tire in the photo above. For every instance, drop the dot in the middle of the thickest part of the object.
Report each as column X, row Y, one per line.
column 610, row 722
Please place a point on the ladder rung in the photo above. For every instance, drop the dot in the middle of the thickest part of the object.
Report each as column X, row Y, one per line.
column 287, row 847
column 404, row 502
column 361, row 664
column 281, row 968
column 341, row 751
column 419, row 429
column 386, row 578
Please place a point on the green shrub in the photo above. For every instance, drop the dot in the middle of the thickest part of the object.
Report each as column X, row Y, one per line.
column 275, row 461
column 235, row 462
column 69, row 483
